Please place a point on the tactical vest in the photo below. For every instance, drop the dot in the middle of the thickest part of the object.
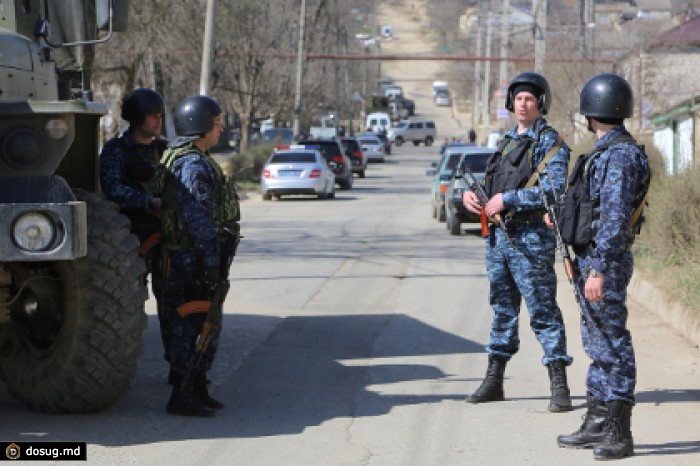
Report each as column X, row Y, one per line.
column 139, row 168
column 579, row 215
column 174, row 234
column 510, row 167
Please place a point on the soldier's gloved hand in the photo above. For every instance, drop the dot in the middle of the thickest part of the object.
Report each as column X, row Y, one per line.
column 212, row 276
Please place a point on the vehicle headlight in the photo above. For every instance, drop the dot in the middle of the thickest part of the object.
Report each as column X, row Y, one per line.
column 34, row 231
column 24, row 148
column 56, row 128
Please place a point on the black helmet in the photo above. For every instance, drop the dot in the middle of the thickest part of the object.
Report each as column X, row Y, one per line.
column 195, row 115
column 139, row 103
column 530, row 80
column 606, row 95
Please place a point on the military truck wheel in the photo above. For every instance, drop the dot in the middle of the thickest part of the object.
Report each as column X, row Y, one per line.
column 76, row 326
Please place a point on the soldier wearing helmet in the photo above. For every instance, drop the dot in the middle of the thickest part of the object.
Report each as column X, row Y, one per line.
column 609, row 185
column 127, row 164
column 520, row 256
column 200, row 215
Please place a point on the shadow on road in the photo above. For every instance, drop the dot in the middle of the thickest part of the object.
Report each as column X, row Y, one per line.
column 276, row 377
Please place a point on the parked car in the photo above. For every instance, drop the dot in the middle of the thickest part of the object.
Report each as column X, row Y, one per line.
column 297, row 170
column 372, row 147
column 416, row 131
column 332, row 151
column 384, row 138
column 357, row 156
column 441, row 179
column 442, row 98
column 439, row 85
column 475, row 157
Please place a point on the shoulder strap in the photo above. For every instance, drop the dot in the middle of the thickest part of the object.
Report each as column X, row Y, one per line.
column 533, row 179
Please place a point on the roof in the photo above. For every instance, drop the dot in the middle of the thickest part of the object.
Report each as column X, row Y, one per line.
column 684, row 34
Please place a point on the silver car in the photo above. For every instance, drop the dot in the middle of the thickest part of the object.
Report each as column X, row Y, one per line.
column 372, row 147
column 297, row 171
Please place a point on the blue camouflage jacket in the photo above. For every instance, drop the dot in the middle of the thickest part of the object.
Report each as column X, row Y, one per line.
column 113, row 171
column 617, row 177
column 195, row 181
column 526, row 199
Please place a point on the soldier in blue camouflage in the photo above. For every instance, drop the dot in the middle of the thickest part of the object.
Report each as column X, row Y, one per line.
column 199, row 203
column 615, row 176
column 520, row 264
column 127, row 164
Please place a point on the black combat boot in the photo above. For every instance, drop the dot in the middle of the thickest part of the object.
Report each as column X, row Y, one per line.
column 591, row 431
column 184, row 403
column 491, row 388
column 617, row 442
column 561, row 399
column 200, row 390
column 172, row 376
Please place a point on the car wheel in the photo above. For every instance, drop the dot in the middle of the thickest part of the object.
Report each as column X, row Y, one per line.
column 278, row 196
column 331, row 195
column 453, row 223
column 441, row 214
column 434, row 211
column 415, row 143
column 398, row 141
column 266, row 196
column 428, row 141
column 362, row 174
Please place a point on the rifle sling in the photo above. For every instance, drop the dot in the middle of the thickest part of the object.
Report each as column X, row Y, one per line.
column 533, row 178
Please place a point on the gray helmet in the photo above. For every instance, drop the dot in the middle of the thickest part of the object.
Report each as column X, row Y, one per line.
column 530, row 80
column 195, row 115
column 606, row 95
column 139, row 103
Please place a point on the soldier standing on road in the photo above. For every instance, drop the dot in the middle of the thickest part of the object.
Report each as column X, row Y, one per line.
column 200, row 206
column 615, row 176
column 127, row 164
column 521, row 265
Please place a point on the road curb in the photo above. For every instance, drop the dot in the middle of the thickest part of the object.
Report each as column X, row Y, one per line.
column 682, row 319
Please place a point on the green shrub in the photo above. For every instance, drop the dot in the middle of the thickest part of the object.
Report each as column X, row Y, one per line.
column 247, row 166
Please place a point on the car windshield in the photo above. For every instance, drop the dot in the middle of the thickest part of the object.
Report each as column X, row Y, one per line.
column 350, row 144
column 278, row 135
column 452, row 161
column 288, row 157
column 477, row 162
column 327, row 148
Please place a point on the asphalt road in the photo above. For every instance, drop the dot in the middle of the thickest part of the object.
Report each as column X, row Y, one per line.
column 352, row 332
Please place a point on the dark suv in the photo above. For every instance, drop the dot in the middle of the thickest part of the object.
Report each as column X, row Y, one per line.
column 475, row 157
column 354, row 151
column 338, row 161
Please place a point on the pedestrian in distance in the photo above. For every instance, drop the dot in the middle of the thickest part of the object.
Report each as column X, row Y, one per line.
column 127, row 164
column 600, row 215
column 520, row 250
column 199, row 223
column 472, row 136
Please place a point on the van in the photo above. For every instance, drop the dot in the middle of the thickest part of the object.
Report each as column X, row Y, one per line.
column 439, row 86
column 377, row 122
column 416, row 131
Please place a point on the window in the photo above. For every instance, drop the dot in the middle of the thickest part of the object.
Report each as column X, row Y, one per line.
column 430, row 125
column 289, row 157
column 477, row 162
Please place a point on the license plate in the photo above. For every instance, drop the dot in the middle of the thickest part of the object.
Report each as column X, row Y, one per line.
column 290, row 172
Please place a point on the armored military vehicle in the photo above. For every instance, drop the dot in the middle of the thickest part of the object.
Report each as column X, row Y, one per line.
column 71, row 282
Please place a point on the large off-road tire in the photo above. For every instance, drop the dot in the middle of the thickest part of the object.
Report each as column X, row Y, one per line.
column 453, row 223
column 77, row 351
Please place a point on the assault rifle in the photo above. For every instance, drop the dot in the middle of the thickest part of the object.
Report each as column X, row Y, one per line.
column 476, row 187
column 563, row 248
column 216, row 309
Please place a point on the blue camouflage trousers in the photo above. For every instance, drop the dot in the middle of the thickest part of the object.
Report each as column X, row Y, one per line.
column 612, row 373
column 524, row 271
column 184, row 284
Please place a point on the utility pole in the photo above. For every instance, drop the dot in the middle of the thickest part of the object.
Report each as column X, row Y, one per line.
column 590, row 31
column 208, row 48
column 476, row 101
column 300, row 70
column 505, row 23
column 487, row 69
column 539, row 12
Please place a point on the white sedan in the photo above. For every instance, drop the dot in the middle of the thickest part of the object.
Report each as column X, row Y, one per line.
column 297, row 171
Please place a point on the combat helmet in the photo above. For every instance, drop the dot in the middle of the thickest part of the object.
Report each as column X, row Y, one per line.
column 532, row 80
column 139, row 103
column 195, row 115
column 607, row 96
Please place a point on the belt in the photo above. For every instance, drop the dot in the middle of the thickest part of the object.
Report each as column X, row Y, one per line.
column 531, row 216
